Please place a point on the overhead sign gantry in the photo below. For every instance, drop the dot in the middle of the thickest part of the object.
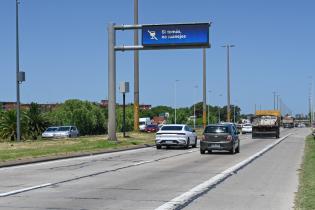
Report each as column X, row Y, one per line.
column 154, row 36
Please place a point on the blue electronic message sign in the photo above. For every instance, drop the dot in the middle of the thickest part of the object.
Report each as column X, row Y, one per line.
column 176, row 35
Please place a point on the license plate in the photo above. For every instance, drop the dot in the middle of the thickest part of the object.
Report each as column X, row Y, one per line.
column 169, row 142
column 215, row 145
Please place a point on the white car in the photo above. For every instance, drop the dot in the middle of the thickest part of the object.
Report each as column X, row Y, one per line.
column 66, row 131
column 247, row 128
column 176, row 135
column 49, row 132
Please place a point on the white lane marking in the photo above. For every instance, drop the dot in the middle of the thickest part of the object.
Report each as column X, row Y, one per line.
column 111, row 154
column 24, row 189
column 198, row 190
column 76, row 178
column 143, row 162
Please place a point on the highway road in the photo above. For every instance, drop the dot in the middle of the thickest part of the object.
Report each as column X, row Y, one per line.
column 150, row 179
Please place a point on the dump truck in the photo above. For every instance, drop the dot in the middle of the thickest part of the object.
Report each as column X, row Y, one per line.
column 288, row 121
column 266, row 123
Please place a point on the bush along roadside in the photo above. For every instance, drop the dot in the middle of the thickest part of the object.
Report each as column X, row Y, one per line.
column 305, row 198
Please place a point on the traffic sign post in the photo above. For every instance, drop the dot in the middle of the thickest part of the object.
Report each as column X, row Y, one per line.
column 161, row 36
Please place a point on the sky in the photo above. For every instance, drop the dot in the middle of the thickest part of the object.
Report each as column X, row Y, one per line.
column 63, row 50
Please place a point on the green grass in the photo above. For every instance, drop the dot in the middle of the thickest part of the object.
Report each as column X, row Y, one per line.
column 50, row 148
column 305, row 198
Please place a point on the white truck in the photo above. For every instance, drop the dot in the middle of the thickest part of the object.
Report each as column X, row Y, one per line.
column 143, row 122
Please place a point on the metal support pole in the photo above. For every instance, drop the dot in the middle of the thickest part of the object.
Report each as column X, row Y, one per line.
column 219, row 115
column 234, row 113
column 209, row 107
column 124, row 114
column 196, row 86
column 18, row 125
column 175, row 100
column 136, row 71
column 111, row 83
column 228, row 85
column 274, row 100
column 204, row 107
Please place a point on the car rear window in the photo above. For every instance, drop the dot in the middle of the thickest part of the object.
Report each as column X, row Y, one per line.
column 151, row 126
column 216, row 129
column 51, row 129
column 63, row 128
column 172, row 128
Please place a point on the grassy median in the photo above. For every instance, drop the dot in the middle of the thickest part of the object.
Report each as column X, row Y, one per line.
column 60, row 147
column 305, row 198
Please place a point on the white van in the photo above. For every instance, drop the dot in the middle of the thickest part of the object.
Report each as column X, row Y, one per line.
column 143, row 122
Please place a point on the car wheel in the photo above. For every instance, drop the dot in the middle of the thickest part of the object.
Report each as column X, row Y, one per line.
column 69, row 136
column 158, row 146
column 209, row 151
column 187, row 144
column 232, row 151
column 238, row 148
column 195, row 144
column 202, row 151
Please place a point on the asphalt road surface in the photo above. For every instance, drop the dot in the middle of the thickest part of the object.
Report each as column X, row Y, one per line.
column 149, row 178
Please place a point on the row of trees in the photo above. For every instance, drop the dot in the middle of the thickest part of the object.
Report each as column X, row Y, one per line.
column 91, row 119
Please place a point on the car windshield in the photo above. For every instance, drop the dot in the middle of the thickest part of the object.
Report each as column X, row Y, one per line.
column 172, row 128
column 50, row 129
column 64, row 128
column 216, row 129
column 247, row 125
column 141, row 123
column 151, row 126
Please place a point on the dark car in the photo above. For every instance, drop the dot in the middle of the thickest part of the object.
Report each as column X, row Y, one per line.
column 151, row 128
column 220, row 137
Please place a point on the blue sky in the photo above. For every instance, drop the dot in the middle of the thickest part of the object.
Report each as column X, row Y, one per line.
column 63, row 50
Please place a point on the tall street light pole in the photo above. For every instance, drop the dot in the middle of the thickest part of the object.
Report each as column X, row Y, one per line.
column 175, row 98
column 196, row 86
column 274, row 100
column 228, row 82
column 18, row 125
column 136, row 71
column 219, row 111
column 209, row 106
column 204, row 89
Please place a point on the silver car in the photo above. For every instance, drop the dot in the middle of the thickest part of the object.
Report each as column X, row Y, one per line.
column 66, row 131
column 49, row 132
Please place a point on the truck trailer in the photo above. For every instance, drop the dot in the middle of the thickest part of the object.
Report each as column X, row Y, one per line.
column 266, row 123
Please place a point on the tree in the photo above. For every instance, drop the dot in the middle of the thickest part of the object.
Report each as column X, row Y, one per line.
column 36, row 122
column 88, row 117
column 8, row 125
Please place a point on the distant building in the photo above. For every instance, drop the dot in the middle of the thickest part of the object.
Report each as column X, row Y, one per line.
column 159, row 120
column 104, row 104
column 6, row 106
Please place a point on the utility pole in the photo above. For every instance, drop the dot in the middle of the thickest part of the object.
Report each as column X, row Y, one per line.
column 196, row 86
column 136, row 71
column 274, row 100
column 209, row 107
column 175, row 98
column 204, row 90
column 18, row 124
column 228, row 46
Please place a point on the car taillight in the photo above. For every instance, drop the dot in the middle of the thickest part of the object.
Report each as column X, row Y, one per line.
column 229, row 138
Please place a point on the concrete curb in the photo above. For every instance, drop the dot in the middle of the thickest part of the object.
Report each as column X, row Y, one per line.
column 68, row 156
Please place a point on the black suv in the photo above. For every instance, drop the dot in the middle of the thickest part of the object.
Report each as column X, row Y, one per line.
column 220, row 137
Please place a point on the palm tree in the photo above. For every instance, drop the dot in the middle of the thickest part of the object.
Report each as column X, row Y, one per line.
column 8, row 124
column 36, row 122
